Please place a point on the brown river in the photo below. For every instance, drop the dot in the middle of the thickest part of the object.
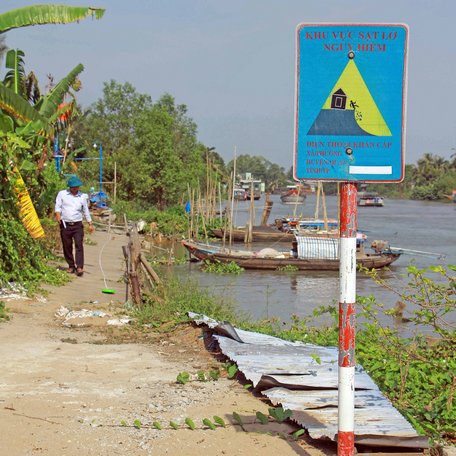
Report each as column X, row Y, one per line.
column 413, row 225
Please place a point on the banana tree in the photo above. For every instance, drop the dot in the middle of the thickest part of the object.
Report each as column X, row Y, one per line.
column 32, row 121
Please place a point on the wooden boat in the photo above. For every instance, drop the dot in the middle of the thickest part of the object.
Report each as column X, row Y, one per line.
column 260, row 233
column 370, row 199
column 309, row 223
column 293, row 196
column 271, row 234
column 270, row 259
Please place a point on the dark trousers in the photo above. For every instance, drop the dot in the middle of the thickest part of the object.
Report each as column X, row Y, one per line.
column 69, row 234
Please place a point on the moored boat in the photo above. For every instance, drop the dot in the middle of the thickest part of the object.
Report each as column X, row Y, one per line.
column 270, row 259
column 293, row 196
column 260, row 233
column 370, row 199
column 239, row 194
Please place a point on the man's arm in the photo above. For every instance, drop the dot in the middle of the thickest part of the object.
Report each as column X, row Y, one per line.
column 58, row 207
column 85, row 210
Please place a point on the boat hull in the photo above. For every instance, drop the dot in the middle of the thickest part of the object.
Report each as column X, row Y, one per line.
column 248, row 260
column 259, row 234
column 293, row 199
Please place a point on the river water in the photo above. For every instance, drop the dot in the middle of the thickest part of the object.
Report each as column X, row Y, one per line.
column 413, row 225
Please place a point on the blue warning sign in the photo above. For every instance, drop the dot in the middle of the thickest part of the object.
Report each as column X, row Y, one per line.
column 350, row 102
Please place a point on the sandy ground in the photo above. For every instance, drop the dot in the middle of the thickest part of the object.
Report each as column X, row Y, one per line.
column 78, row 390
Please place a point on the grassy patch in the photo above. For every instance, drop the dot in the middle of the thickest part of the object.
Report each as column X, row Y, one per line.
column 176, row 298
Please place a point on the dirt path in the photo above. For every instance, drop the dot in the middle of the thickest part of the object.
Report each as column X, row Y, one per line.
column 65, row 391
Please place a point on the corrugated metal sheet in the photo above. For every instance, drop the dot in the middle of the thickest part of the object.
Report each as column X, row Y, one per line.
column 318, row 247
column 288, row 374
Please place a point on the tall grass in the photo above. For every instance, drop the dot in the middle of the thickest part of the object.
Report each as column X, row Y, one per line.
column 177, row 298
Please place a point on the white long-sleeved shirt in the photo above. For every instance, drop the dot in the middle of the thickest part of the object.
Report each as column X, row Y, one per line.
column 72, row 207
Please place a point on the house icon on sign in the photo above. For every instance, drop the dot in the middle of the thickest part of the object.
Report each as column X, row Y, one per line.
column 338, row 100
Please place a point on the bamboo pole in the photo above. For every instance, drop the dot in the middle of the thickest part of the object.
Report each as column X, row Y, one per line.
column 325, row 215
column 115, row 183
column 248, row 232
column 200, row 211
column 232, row 196
column 296, row 202
column 317, row 204
column 220, row 200
column 149, row 269
column 266, row 210
column 189, row 216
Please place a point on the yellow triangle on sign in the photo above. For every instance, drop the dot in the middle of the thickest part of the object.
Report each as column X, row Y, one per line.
column 359, row 100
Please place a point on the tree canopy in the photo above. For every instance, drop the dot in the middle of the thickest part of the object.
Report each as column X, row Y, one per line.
column 154, row 145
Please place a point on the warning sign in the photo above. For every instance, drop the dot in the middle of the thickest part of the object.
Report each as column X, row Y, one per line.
column 350, row 102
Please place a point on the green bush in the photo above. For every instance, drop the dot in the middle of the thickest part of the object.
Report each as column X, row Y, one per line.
column 25, row 260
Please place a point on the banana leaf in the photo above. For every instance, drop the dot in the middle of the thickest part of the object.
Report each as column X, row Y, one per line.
column 27, row 212
column 51, row 102
column 18, row 108
column 46, row 14
column 15, row 78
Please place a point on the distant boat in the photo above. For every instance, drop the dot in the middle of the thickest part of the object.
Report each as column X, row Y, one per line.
column 270, row 259
column 453, row 196
column 239, row 194
column 248, row 184
column 370, row 199
column 306, row 223
column 294, row 195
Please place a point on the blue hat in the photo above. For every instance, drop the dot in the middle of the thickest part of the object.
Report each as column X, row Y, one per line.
column 74, row 181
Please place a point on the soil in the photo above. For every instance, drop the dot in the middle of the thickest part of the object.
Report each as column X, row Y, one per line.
column 88, row 388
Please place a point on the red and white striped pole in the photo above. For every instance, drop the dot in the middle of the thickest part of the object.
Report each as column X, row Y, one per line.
column 347, row 299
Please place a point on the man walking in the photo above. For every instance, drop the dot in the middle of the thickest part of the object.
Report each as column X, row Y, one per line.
column 70, row 207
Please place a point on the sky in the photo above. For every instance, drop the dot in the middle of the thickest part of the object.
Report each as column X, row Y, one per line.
column 232, row 63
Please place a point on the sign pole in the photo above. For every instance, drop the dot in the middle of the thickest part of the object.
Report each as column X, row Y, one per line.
column 347, row 316
column 101, row 173
column 350, row 128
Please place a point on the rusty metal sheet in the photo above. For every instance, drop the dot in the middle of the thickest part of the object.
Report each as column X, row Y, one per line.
column 305, row 380
column 317, row 412
column 288, row 364
column 316, row 377
column 316, row 399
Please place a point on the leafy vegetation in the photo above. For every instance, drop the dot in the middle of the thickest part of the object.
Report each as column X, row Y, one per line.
column 432, row 178
column 25, row 262
column 3, row 313
column 154, row 145
column 287, row 268
column 416, row 373
column 28, row 122
column 216, row 267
